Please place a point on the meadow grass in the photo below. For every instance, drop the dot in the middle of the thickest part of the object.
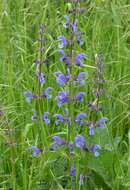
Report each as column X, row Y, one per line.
column 107, row 27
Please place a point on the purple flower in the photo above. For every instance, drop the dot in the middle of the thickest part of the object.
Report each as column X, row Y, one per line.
column 80, row 77
column 78, row 118
column 67, row 21
column 81, row 179
column 61, row 78
column 58, row 140
column 65, row 58
column 68, row 61
column 29, row 96
column 45, row 117
column 36, row 150
column 41, row 77
column 59, row 118
column 63, row 54
column 64, row 41
column 72, row 171
column 95, row 149
column 62, row 97
column 34, row 116
column 91, row 129
column 80, row 42
column 54, row 147
column 80, row 141
column 46, row 93
column 101, row 122
column 71, row 146
column 78, row 58
column 99, row 92
column 79, row 96
column 74, row 26
column 91, row 105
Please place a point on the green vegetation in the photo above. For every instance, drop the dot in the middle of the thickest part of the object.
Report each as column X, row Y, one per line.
column 106, row 24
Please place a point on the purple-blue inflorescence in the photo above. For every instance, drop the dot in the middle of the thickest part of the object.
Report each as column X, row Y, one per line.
column 68, row 97
column 81, row 179
column 72, row 171
column 80, row 141
column 78, row 59
column 59, row 118
column 101, row 122
column 79, row 117
column 29, row 96
column 81, row 76
column 45, row 117
column 64, row 41
column 41, row 77
column 34, row 116
column 58, row 140
column 61, row 78
column 95, row 149
column 36, row 151
column 63, row 97
column 79, row 96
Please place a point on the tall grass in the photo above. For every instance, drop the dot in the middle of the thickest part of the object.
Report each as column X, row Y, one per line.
column 107, row 27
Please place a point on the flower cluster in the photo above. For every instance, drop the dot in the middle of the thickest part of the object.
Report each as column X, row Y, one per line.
column 43, row 91
column 71, row 80
column 71, row 85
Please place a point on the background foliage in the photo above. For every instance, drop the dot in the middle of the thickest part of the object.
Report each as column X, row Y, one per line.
column 107, row 25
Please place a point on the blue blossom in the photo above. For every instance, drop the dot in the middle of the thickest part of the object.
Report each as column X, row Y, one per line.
column 98, row 92
column 91, row 105
column 62, row 97
column 80, row 141
column 79, row 118
column 67, row 21
column 72, row 171
column 81, row 77
column 79, row 96
column 41, row 77
column 81, row 179
column 78, row 58
column 63, row 54
column 65, row 58
column 45, row 117
column 101, row 122
column 80, row 42
column 95, row 149
column 71, row 146
column 34, row 116
column 64, row 41
column 46, row 93
column 91, row 129
column 29, row 96
column 58, row 140
column 54, row 147
column 59, row 118
column 66, row 112
column 74, row 26
column 36, row 151
column 61, row 78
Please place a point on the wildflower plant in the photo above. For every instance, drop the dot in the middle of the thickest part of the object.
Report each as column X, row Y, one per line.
column 70, row 127
column 42, row 93
column 72, row 96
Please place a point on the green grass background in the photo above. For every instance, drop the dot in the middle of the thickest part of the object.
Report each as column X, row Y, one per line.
column 107, row 27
